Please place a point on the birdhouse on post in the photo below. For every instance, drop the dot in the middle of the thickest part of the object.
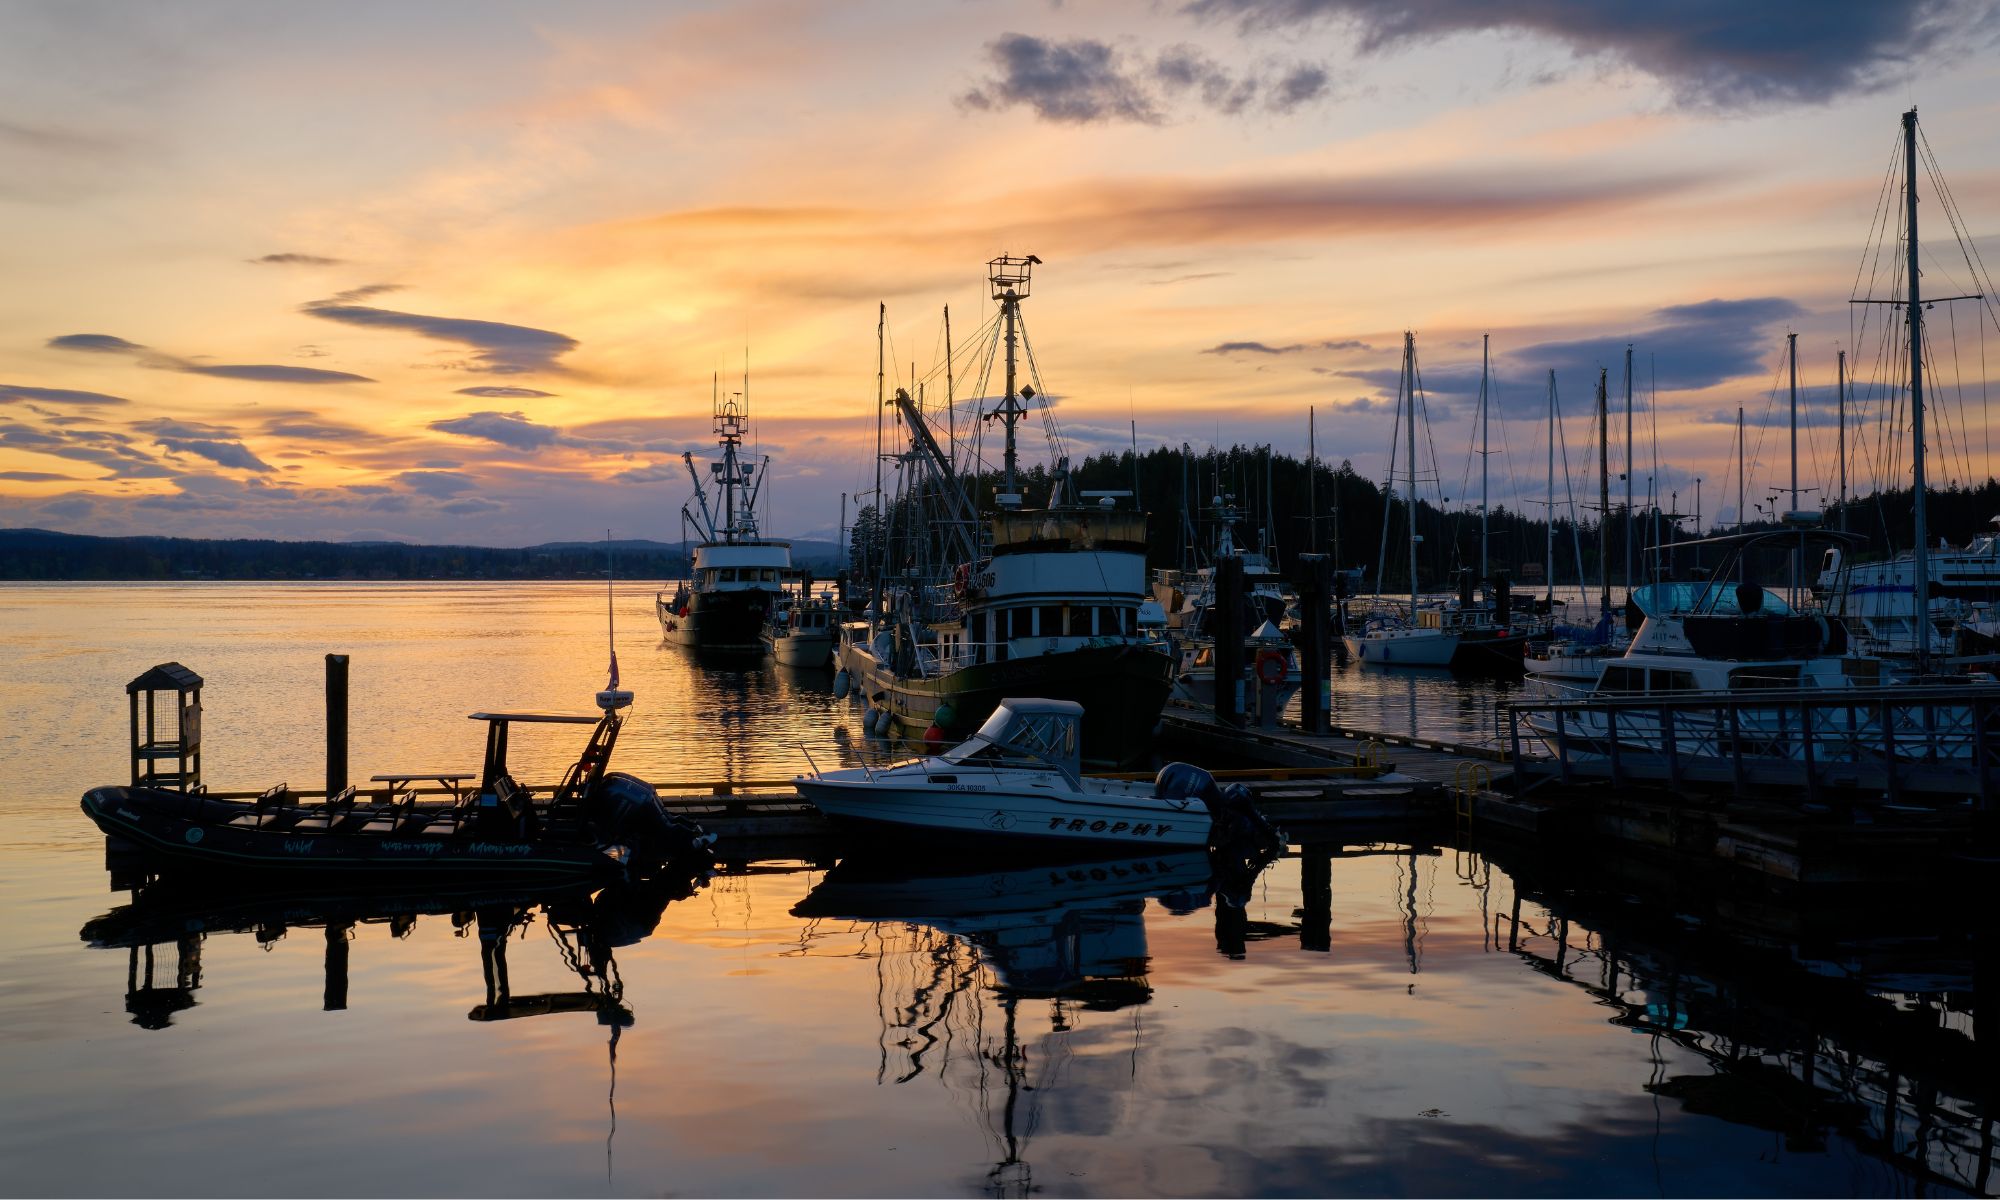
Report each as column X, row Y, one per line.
column 166, row 729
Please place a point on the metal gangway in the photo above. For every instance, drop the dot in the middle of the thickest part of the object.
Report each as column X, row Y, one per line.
column 1927, row 744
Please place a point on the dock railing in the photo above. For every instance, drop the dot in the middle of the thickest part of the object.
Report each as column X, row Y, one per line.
column 1923, row 743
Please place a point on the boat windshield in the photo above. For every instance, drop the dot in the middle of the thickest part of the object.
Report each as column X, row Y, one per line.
column 979, row 750
column 1712, row 597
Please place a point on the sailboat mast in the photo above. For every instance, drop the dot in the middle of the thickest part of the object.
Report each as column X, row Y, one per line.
column 1484, row 341
column 1603, row 494
column 1920, row 560
column 1739, row 468
column 1841, row 391
column 1631, row 515
column 1549, row 551
column 1410, row 391
column 1792, row 360
column 1312, row 482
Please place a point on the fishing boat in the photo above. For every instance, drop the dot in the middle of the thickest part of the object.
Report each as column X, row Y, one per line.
column 802, row 631
column 1018, row 780
column 735, row 576
column 1457, row 637
column 1270, row 674
column 594, row 823
column 1048, row 606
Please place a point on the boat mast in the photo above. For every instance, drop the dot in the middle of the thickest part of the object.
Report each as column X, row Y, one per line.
column 1739, row 468
column 1631, row 516
column 1410, row 391
column 1549, row 551
column 1603, row 495
column 1920, row 560
column 1792, row 360
column 1841, row 391
column 1010, row 277
column 1312, row 483
column 1484, row 340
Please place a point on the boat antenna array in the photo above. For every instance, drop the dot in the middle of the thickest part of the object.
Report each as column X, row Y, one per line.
column 738, row 517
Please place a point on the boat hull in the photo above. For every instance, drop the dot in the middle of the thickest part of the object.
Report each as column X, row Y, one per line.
column 731, row 621
column 994, row 813
column 1404, row 648
column 1121, row 688
column 194, row 830
column 802, row 649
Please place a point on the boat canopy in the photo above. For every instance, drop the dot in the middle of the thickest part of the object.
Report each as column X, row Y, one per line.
column 1042, row 729
column 1708, row 597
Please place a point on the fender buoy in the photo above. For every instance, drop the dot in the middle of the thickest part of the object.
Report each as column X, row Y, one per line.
column 840, row 684
column 1271, row 667
column 946, row 715
column 933, row 736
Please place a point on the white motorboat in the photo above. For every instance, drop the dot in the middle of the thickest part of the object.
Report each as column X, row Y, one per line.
column 801, row 634
column 1016, row 779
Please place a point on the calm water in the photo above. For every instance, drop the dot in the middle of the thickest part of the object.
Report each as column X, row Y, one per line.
column 1388, row 1018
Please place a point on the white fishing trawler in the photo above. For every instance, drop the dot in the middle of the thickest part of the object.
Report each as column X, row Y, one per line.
column 736, row 576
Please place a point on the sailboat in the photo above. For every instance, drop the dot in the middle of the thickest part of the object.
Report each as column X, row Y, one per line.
column 1461, row 638
column 736, row 575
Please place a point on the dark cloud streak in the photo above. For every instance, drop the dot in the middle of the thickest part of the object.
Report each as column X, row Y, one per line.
column 1708, row 53
column 1083, row 81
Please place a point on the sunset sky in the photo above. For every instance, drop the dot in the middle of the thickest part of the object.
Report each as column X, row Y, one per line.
column 464, row 271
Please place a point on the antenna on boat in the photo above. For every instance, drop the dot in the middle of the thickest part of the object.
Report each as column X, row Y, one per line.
column 611, row 699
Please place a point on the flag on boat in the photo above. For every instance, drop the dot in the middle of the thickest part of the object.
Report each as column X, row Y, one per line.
column 613, row 685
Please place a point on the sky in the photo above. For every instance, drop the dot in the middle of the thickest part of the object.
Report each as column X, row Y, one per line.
column 469, row 272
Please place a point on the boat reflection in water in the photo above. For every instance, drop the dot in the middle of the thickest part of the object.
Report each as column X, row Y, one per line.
column 1820, row 1019
column 586, row 923
column 948, row 946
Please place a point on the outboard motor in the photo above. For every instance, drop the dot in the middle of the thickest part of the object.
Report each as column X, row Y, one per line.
column 628, row 813
column 1237, row 830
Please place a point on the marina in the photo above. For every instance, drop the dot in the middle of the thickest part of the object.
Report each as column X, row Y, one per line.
column 1318, row 599
column 1361, row 926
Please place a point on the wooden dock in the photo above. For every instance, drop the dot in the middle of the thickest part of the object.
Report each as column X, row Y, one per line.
column 1446, row 764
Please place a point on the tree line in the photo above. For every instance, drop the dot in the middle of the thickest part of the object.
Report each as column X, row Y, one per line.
column 1288, row 509
column 34, row 554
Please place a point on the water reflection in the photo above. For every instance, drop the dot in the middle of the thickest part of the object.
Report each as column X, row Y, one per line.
column 950, row 947
column 1817, row 1017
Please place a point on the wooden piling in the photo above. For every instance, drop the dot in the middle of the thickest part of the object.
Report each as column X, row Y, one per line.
column 336, row 723
column 1225, row 627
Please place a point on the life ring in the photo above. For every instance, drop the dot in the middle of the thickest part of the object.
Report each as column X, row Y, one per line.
column 961, row 579
column 1271, row 667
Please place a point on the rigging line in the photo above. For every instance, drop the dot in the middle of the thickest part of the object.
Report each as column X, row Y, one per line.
column 1388, row 498
column 1968, row 246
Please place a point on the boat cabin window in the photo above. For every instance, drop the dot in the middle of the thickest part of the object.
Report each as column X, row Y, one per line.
column 1673, row 681
column 725, row 574
column 1769, row 675
column 1619, row 678
column 1052, row 620
column 768, row 575
column 1023, row 623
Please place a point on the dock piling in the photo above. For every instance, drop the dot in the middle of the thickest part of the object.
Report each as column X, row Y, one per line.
column 1315, row 653
column 336, row 723
column 1226, row 628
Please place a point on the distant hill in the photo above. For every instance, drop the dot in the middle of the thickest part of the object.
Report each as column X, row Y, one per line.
column 45, row 554
column 42, row 554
